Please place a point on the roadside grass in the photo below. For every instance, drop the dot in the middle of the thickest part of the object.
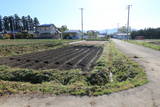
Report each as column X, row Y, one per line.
column 18, row 47
column 113, row 72
column 146, row 44
column 97, row 39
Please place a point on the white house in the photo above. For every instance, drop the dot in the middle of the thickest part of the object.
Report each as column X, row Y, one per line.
column 48, row 31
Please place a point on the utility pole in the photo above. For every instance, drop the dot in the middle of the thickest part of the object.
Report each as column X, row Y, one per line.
column 82, row 21
column 128, row 19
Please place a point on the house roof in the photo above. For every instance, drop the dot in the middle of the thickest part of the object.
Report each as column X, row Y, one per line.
column 46, row 25
column 72, row 31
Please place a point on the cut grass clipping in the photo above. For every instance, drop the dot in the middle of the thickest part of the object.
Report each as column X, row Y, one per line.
column 113, row 72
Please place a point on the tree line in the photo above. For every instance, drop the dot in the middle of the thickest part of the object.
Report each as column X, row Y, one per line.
column 148, row 33
column 18, row 24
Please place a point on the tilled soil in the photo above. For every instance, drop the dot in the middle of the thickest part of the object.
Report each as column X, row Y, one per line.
column 72, row 57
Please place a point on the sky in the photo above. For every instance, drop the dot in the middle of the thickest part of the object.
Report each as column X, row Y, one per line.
column 98, row 14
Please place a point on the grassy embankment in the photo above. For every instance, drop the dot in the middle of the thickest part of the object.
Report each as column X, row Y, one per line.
column 146, row 44
column 18, row 46
column 113, row 72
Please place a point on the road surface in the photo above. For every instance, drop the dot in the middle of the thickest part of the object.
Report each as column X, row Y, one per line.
column 147, row 95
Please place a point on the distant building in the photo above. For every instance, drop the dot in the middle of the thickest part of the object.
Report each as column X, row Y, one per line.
column 122, row 36
column 72, row 34
column 1, row 35
column 139, row 37
column 47, row 31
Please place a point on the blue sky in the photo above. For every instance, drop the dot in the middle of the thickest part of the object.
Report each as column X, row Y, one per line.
column 98, row 14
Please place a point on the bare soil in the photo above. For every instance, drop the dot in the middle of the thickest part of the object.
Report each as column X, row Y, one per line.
column 71, row 57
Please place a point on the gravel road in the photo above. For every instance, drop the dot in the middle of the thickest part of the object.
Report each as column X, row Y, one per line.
column 147, row 95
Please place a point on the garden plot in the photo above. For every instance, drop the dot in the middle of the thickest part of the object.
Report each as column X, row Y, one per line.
column 71, row 57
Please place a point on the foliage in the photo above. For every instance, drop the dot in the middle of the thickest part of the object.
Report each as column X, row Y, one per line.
column 28, row 75
column 63, row 28
column 7, row 36
column 148, row 33
column 122, row 29
column 92, row 34
column 15, row 23
column 24, row 35
column 98, row 78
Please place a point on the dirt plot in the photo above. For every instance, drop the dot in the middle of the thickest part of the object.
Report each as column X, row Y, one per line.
column 72, row 57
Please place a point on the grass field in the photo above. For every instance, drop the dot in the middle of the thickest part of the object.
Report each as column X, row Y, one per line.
column 23, row 46
column 29, row 41
column 154, row 44
column 112, row 72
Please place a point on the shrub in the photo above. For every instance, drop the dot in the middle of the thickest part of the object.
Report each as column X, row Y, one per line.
column 24, row 75
column 24, row 35
column 7, row 36
column 98, row 78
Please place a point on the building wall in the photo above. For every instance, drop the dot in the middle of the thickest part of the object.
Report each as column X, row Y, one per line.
column 72, row 35
column 123, row 37
column 48, row 29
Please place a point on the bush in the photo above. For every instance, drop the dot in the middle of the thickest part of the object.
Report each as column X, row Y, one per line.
column 24, row 35
column 98, row 78
column 7, row 36
column 24, row 75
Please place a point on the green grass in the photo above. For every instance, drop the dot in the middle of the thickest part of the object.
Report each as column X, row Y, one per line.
column 126, row 74
column 146, row 44
column 97, row 39
column 29, row 41
column 18, row 47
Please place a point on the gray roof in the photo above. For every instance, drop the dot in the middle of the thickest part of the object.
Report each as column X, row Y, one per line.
column 46, row 25
column 72, row 31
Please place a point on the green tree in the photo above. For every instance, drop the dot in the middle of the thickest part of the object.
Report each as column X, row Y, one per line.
column 36, row 21
column 63, row 28
column 92, row 34
column 122, row 29
column 1, row 24
column 18, row 24
column 6, row 23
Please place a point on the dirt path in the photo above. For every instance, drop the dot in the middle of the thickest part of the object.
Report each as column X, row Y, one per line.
column 144, row 96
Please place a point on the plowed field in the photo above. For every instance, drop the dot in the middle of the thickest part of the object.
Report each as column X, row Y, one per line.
column 72, row 57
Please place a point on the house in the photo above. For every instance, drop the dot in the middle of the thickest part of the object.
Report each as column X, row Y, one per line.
column 139, row 38
column 1, row 35
column 122, row 36
column 72, row 34
column 47, row 31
